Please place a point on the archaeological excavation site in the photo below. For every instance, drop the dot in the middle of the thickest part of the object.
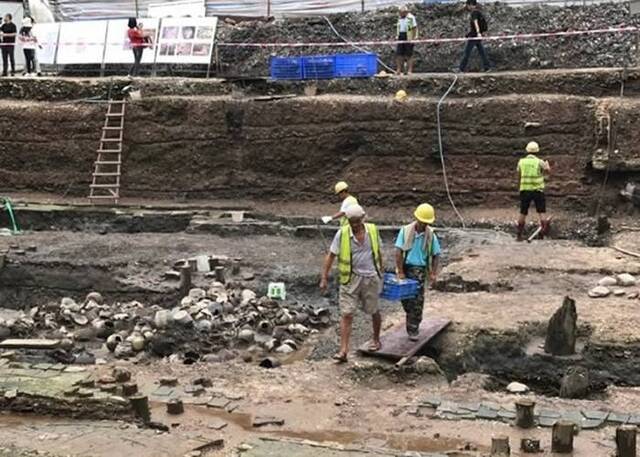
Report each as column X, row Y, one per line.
column 263, row 263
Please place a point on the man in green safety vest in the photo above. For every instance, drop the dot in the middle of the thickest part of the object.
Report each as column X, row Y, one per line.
column 358, row 249
column 417, row 256
column 342, row 191
column 531, row 171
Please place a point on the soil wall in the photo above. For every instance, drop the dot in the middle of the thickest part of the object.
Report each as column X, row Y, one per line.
column 297, row 147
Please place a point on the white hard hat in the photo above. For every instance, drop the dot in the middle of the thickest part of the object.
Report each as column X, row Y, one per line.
column 533, row 148
column 354, row 211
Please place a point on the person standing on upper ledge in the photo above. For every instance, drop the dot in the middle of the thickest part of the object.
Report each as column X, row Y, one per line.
column 477, row 26
column 406, row 30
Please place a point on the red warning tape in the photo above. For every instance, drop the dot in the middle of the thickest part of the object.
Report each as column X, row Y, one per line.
column 517, row 36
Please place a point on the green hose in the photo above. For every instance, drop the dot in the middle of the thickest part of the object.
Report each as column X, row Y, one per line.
column 7, row 205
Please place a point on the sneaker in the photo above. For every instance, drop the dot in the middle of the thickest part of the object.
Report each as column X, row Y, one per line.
column 413, row 337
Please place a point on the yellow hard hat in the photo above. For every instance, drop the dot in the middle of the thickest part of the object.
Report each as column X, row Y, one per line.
column 425, row 213
column 401, row 95
column 341, row 186
column 533, row 148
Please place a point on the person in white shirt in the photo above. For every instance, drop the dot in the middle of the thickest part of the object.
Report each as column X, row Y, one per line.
column 29, row 44
column 406, row 30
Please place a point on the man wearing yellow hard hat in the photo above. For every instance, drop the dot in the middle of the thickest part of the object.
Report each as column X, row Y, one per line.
column 342, row 190
column 417, row 257
column 531, row 171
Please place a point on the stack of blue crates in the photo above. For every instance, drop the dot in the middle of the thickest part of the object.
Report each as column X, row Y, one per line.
column 395, row 290
column 286, row 67
column 325, row 67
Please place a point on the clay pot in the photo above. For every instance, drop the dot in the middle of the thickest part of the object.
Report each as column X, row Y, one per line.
column 113, row 341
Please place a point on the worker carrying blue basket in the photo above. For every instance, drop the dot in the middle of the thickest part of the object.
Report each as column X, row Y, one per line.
column 417, row 258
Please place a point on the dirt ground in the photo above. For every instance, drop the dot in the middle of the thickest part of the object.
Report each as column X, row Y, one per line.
column 489, row 285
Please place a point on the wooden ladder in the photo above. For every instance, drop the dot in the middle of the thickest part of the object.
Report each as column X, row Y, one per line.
column 105, row 186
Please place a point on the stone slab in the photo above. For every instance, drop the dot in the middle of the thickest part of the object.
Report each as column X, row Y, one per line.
column 616, row 418
column 590, row 424
column 396, row 344
column 594, row 414
column 29, row 344
column 549, row 413
column 487, row 413
column 282, row 448
column 218, row 402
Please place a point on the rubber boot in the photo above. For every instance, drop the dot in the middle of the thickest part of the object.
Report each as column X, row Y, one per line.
column 520, row 232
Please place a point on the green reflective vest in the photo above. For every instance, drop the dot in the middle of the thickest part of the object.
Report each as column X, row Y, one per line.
column 344, row 257
column 531, row 177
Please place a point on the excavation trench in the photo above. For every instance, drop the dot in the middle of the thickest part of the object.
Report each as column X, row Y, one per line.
column 506, row 356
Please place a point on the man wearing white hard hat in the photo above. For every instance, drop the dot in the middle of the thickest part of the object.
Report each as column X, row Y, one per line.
column 359, row 251
column 417, row 255
column 531, row 172
column 342, row 190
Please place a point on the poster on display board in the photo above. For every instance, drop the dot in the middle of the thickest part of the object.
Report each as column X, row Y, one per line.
column 81, row 42
column 47, row 35
column 181, row 8
column 186, row 40
column 118, row 44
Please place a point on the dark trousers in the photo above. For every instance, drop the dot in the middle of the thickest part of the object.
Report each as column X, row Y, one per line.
column 8, row 56
column 30, row 60
column 137, row 58
column 471, row 43
column 413, row 306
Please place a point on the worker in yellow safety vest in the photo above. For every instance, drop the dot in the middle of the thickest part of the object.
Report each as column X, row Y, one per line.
column 531, row 172
column 359, row 251
column 342, row 190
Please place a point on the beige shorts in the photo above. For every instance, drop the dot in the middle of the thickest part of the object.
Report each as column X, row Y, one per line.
column 361, row 293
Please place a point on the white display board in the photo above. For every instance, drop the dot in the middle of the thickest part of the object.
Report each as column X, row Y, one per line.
column 118, row 44
column 186, row 40
column 82, row 42
column 180, row 8
column 47, row 35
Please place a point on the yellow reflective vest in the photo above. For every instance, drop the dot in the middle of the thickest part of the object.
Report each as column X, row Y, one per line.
column 344, row 256
column 531, row 177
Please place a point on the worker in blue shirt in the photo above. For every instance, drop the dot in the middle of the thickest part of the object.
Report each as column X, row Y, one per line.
column 417, row 255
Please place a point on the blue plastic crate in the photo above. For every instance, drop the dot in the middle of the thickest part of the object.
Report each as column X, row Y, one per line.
column 398, row 290
column 318, row 67
column 356, row 65
column 286, row 67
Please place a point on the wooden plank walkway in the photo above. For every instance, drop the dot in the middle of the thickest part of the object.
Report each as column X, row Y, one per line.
column 396, row 344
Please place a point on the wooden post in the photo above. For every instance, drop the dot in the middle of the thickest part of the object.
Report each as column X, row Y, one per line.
column 626, row 441
column 235, row 267
column 185, row 280
column 500, row 446
column 524, row 413
column 562, row 437
column 140, row 405
column 219, row 274
column 175, row 406
column 129, row 389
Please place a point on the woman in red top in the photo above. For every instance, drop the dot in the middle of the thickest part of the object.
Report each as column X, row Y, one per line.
column 137, row 40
